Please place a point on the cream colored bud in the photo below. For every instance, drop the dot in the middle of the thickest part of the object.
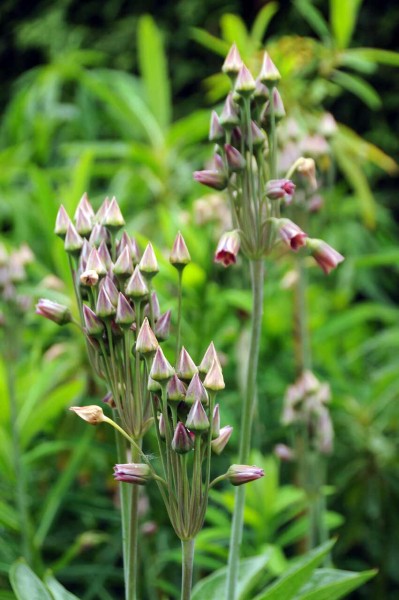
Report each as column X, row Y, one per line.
column 92, row 414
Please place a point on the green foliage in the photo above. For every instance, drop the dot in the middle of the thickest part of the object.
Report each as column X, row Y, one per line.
column 27, row 586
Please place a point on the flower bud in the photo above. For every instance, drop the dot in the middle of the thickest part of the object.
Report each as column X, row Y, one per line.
column 233, row 62
column 104, row 306
column 280, row 189
column 131, row 243
column 182, row 441
column 102, row 211
column 161, row 369
column 61, row 223
column 291, row 234
column 146, row 342
column 89, row 278
column 162, row 326
column 245, row 83
column 124, row 312
column 156, row 310
column 111, row 289
column 257, row 135
column 161, row 426
column 279, row 110
column 229, row 117
column 84, row 206
column 325, row 256
column 240, row 474
column 98, row 234
column 138, row 474
column 148, row 264
column 104, row 255
column 214, row 378
column 228, row 248
column 216, row 131
column 235, row 159
column 136, row 287
column 197, row 419
column 216, row 422
column 269, row 74
column 261, row 93
column 92, row 414
column 83, row 222
column 94, row 263
column 176, row 389
column 109, row 400
column 196, row 391
column 113, row 218
column 93, row 325
column 213, row 179
column 219, row 443
column 209, row 356
column 58, row 313
column 124, row 265
column 185, row 367
column 307, row 168
column 179, row 256
column 73, row 242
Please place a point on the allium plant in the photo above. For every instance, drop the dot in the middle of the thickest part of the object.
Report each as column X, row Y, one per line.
column 246, row 166
column 124, row 327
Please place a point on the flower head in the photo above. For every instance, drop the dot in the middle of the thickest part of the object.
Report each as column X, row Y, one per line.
column 228, row 248
column 325, row 256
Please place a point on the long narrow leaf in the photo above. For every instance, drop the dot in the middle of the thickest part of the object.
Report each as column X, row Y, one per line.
column 343, row 17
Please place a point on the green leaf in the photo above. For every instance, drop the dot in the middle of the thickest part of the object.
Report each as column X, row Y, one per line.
column 261, row 23
column 210, row 41
column 213, row 587
column 297, row 575
column 359, row 87
column 154, row 70
column 343, row 16
column 314, row 17
column 332, row 584
column 9, row 517
column 58, row 591
column 234, row 31
column 27, row 585
column 385, row 57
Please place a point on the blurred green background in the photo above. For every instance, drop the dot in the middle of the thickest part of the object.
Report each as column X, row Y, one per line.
column 116, row 99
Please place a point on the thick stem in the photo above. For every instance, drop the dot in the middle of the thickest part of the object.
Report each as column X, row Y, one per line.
column 187, row 547
column 257, row 275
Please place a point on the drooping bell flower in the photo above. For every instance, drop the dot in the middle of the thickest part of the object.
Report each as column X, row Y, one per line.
column 228, row 248
column 325, row 256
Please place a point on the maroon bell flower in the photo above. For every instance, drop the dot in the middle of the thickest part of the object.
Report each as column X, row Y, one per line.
column 325, row 256
column 211, row 178
column 280, row 189
column 291, row 234
column 228, row 248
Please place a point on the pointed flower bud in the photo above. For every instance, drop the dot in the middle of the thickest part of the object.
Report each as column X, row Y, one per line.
column 124, row 265
column 89, row 278
column 109, row 400
column 110, row 288
column 73, row 242
column 207, row 361
column 280, row 189
column 235, row 159
column 138, row 474
column 102, row 211
column 156, row 309
column 84, row 206
column 104, row 255
column 83, row 222
column 148, row 264
column 245, row 83
column 179, row 256
column 291, row 234
column 185, row 367
column 98, row 234
column 176, row 389
column 93, row 325
column 219, row 443
column 228, row 248
column 182, row 441
column 136, row 286
column 229, row 117
column 113, row 217
column 196, row 391
column 216, row 422
column 146, row 342
column 161, row 369
column 162, row 326
column 58, row 313
column 325, row 256
column 104, row 306
column 197, row 419
column 213, row 179
column 279, row 110
column 269, row 74
column 131, row 243
column 92, row 414
column 216, row 131
column 61, row 223
column 240, row 474
column 161, row 426
column 94, row 263
column 233, row 62
column 124, row 312
column 153, row 386
column 257, row 136
column 214, row 378
column 261, row 93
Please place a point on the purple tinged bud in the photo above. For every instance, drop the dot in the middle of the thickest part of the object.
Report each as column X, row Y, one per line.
column 98, row 234
column 61, row 223
column 280, row 189
column 326, row 257
column 104, row 254
column 214, row 378
column 94, row 263
column 182, row 441
column 58, row 313
column 216, row 131
column 84, row 255
column 109, row 400
column 216, row 422
column 73, row 242
column 83, row 222
column 84, row 206
column 269, row 74
column 124, row 312
column 162, row 326
column 279, row 110
column 196, row 391
column 136, row 286
column 291, row 234
column 218, row 162
column 146, row 342
column 258, row 137
column 148, row 264
column 104, row 306
column 176, row 389
column 138, row 474
column 240, row 474
column 233, row 62
column 89, row 278
column 207, row 361
column 261, row 93
column 102, row 211
column 93, row 325
column 113, row 217
column 229, row 117
column 219, row 443
column 213, row 179
column 245, row 83
column 185, row 368
column 161, row 369
column 124, row 265
column 156, row 310
column 228, row 248
column 161, row 424
column 179, row 256
column 110, row 288
column 197, row 419
column 235, row 159
column 131, row 243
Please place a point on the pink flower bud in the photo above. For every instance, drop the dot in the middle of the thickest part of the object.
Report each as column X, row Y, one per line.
column 136, row 287
column 245, row 83
column 214, row 378
column 269, row 73
column 113, row 218
column 240, row 474
column 228, row 248
column 216, row 131
column 197, row 419
column 196, row 391
column 94, row 263
column 179, row 256
column 207, row 361
column 124, row 312
column 235, row 159
column 291, row 234
column 280, row 189
column 229, row 117
column 148, row 264
column 162, row 326
column 93, row 325
column 213, row 179
column 73, row 242
column 138, row 474
column 185, row 368
column 161, row 369
column 182, row 441
column 219, row 443
column 62, row 222
column 58, row 313
column 102, row 211
column 325, row 256
column 146, row 342
column 124, row 265
column 176, row 389
column 104, row 306
column 233, row 62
